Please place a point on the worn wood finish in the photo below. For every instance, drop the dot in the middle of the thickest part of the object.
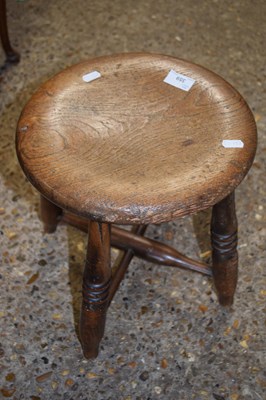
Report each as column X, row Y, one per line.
column 224, row 244
column 130, row 148
column 96, row 284
column 145, row 248
column 11, row 54
column 50, row 215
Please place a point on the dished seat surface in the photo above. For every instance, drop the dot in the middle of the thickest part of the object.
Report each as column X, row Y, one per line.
column 128, row 147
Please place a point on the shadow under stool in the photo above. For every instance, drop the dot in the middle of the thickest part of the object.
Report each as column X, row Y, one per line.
column 137, row 139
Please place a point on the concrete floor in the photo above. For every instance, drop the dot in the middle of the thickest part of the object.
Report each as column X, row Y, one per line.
column 166, row 336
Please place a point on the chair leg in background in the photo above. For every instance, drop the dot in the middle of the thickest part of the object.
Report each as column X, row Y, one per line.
column 11, row 55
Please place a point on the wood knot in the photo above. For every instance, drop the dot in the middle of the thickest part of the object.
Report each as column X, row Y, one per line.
column 187, row 142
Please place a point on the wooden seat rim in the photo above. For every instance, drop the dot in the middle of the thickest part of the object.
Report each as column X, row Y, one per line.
column 152, row 208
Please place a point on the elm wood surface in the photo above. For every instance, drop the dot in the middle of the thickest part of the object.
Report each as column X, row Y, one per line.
column 130, row 148
column 11, row 54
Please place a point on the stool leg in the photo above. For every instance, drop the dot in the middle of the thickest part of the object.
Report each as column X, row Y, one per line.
column 50, row 215
column 224, row 249
column 96, row 283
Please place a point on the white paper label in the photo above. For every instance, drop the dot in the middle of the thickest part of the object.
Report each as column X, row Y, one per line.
column 180, row 81
column 91, row 76
column 233, row 144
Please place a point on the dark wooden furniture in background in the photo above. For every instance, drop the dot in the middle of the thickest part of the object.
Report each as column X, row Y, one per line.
column 128, row 148
column 11, row 55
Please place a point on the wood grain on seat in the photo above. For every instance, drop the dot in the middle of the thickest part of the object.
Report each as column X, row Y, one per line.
column 130, row 148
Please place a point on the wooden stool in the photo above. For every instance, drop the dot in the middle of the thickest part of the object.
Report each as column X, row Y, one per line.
column 111, row 142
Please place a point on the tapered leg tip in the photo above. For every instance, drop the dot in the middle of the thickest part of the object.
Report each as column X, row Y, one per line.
column 13, row 57
column 90, row 354
column 226, row 301
column 49, row 228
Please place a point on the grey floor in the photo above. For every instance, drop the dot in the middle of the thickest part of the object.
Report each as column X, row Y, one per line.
column 166, row 336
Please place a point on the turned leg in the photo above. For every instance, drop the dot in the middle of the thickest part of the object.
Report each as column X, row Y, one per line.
column 224, row 249
column 96, row 283
column 11, row 55
column 50, row 215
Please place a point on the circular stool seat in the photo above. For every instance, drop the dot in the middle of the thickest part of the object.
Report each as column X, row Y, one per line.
column 128, row 147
